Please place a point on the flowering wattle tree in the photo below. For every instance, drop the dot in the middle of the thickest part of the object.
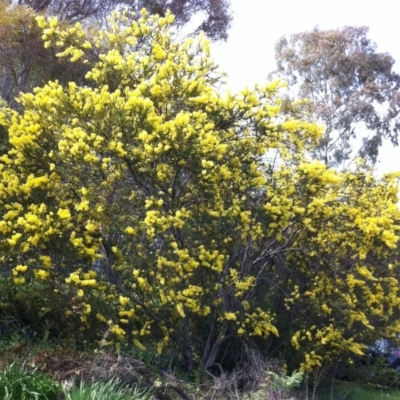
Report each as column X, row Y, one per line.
column 197, row 213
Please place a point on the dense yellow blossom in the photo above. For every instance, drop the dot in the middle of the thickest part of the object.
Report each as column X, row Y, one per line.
column 194, row 211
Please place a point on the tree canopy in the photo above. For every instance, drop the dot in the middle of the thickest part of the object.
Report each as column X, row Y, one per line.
column 197, row 213
column 25, row 63
column 215, row 22
column 349, row 86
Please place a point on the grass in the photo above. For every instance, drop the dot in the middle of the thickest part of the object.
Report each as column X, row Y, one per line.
column 20, row 383
column 353, row 391
column 16, row 383
column 112, row 390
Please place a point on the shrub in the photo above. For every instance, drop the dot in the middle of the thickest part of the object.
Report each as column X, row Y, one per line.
column 196, row 214
column 42, row 310
column 372, row 371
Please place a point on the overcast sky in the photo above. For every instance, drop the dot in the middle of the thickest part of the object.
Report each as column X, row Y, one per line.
column 248, row 55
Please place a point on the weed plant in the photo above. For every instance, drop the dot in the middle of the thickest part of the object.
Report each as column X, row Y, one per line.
column 278, row 386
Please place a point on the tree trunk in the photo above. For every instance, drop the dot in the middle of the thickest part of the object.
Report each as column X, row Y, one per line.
column 187, row 346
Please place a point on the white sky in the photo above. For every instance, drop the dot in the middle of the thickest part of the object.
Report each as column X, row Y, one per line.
column 248, row 55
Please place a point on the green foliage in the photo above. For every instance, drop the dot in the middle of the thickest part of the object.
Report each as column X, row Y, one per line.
column 373, row 371
column 278, row 385
column 282, row 381
column 112, row 390
column 19, row 384
column 46, row 310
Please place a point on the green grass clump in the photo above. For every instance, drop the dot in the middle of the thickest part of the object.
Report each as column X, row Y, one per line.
column 112, row 390
column 18, row 384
